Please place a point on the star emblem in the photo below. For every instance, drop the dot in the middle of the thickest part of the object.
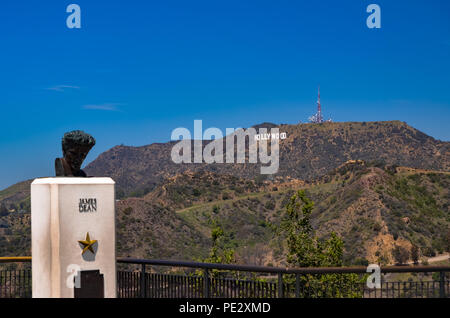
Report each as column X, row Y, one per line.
column 87, row 244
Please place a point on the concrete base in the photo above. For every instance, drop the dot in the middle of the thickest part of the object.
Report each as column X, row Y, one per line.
column 63, row 212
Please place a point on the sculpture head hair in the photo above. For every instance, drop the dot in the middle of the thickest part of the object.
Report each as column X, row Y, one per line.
column 75, row 146
column 76, row 139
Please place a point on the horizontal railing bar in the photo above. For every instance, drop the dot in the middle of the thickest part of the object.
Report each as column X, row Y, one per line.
column 262, row 269
column 16, row 259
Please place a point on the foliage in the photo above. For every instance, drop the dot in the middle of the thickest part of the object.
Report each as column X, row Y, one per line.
column 415, row 254
column 3, row 210
column 218, row 253
column 306, row 250
column 400, row 254
column 447, row 241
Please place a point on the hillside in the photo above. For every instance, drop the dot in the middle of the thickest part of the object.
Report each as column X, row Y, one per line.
column 375, row 184
column 165, row 220
column 371, row 207
column 310, row 150
column 17, row 196
column 193, row 188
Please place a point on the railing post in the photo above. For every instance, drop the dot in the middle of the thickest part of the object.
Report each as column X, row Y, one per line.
column 143, row 282
column 206, row 283
column 297, row 285
column 441, row 284
column 280, row 286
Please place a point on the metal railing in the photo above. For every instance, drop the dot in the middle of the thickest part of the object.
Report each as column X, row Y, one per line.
column 220, row 280
column 198, row 280
column 15, row 282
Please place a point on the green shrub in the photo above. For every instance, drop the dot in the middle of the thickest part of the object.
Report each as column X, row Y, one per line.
column 306, row 250
column 270, row 205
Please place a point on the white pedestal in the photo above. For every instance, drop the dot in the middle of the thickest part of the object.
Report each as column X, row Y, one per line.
column 63, row 211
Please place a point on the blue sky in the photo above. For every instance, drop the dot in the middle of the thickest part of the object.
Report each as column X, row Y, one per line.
column 138, row 69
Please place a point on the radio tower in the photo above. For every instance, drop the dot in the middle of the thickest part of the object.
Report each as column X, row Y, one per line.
column 318, row 118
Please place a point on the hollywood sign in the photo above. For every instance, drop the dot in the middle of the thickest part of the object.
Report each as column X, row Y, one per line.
column 258, row 150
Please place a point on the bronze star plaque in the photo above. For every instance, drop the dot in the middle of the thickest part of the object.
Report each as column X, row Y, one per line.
column 87, row 244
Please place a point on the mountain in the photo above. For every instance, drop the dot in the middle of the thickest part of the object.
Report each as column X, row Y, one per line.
column 376, row 184
column 309, row 151
column 373, row 208
column 17, row 195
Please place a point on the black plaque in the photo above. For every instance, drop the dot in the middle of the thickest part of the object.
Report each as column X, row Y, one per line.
column 91, row 285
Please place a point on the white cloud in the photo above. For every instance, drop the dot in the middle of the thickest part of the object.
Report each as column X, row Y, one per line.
column 62, row 88
column 106, row 106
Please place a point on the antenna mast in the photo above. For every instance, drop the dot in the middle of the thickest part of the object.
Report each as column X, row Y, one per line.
column 318, row 118
column 319, row 109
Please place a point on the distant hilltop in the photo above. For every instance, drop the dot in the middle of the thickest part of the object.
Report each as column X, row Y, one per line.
column 309, row 151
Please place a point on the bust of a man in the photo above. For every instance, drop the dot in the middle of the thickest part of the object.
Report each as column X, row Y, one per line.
column 75, row 146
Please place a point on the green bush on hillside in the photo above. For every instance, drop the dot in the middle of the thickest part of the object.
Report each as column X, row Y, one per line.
column 306, row 250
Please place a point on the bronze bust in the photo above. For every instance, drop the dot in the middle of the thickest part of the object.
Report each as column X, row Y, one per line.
column 75, row 146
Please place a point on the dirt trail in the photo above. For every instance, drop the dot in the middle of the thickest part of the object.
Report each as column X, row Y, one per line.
column 435, row 259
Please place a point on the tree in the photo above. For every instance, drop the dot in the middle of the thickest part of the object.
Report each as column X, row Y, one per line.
column 447, row 241
column 218, row 254
column 415, row 254
column 3, row 210
column 400, row 254
column 306, row 250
